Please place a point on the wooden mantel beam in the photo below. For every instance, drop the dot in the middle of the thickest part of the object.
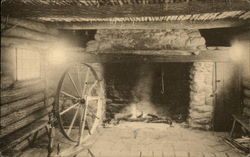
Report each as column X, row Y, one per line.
column 63, row 12
column 152, row 25
column 138, row 56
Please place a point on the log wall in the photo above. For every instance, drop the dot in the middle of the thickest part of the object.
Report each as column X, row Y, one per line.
column 246, row 97
column 23, row 102
column 246, row 84
column 242, row 42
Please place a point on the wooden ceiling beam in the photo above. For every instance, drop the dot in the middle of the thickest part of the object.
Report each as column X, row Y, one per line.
column 141, row 10
column 152, row 25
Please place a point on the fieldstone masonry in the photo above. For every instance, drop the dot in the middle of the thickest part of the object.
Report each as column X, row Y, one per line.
column 201, row 102
column 201, row 92
column 146, row 39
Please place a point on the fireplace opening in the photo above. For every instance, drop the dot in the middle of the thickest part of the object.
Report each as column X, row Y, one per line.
column 156, row 89
column 171, row 89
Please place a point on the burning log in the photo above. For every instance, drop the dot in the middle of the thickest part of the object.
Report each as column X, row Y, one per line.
column 150, row 118
column 156, row 119
column 122, row 116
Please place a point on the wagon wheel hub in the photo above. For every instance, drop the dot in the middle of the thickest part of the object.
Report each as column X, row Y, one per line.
column 82, row 101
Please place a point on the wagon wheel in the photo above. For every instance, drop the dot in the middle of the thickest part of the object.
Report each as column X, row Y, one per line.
column 79, row 102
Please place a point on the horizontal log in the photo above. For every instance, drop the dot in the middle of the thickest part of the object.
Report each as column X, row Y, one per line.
column 7, row 68
column 246, row 111
column 27, row 142
column 151, row 25
column 22, row 113
column 32, row 25
column 32, row 82
column 24, row 103
column 128, row 56
column 6, row 82
column 21, row 32
column 21, row 138
column 247, row 92
column 246, row 102
column 149, row 52
column 24, row 43
column 8, row 54
column 8, row 61
column 25, row 121
column 13, row 95
column 113, row 11
column 246, row 83
column 164, row 52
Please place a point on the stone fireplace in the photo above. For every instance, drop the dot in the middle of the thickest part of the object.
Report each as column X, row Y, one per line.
column 181, row 91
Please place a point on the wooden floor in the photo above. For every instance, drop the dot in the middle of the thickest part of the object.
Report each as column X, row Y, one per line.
column 138, row 139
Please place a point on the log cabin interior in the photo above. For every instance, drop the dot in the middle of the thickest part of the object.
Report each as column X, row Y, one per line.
column 125, row 78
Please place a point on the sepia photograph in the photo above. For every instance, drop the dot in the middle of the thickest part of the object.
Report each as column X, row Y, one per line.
column 125, row 78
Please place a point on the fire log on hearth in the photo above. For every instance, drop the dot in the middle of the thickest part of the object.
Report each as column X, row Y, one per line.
column 122, row 116
column 150, row 118
column 167, row 121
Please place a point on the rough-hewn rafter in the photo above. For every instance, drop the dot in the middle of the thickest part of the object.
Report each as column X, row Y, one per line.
column 54, row 11
column 152, row 25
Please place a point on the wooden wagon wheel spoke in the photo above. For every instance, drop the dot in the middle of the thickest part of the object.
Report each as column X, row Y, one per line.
column 79, row 78
column 71, row 79
column 69, row 95
column 71, row 107
column 82, row 122
column 73, row 121
column 85, row 81
column 92, row 87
